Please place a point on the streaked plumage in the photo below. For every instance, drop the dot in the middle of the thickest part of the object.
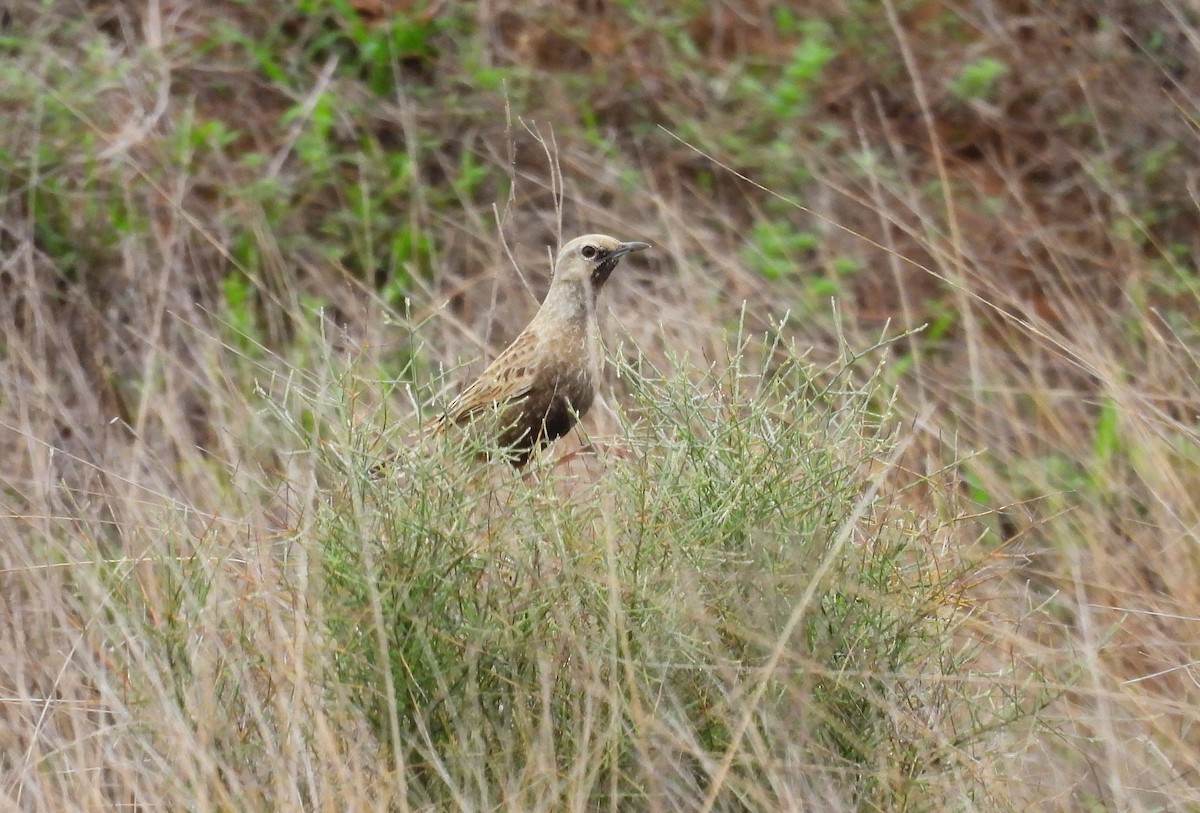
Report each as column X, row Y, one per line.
column 546, row 379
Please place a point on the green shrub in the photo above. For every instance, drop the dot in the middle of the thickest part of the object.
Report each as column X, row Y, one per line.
column 730, row 581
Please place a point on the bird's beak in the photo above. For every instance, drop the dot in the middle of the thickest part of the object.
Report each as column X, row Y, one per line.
column 625, row 248
column 606, row 265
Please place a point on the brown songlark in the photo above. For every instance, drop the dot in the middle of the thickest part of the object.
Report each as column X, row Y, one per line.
column 546, row 379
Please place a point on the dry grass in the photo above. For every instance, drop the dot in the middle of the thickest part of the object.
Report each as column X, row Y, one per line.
column 242, row 244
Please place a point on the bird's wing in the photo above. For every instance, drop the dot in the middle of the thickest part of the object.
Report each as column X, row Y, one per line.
column 509, row 378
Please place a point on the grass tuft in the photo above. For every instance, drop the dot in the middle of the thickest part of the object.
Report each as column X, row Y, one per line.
column 504, row 631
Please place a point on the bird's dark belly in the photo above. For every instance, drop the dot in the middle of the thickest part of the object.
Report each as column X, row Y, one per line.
column 545, row 415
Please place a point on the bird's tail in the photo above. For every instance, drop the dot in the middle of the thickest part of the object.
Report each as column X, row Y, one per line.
column 392, row 461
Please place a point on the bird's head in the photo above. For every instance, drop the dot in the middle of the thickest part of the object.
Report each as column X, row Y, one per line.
column 591, row 259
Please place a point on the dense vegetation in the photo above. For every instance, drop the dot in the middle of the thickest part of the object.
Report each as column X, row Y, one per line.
column 893, row 505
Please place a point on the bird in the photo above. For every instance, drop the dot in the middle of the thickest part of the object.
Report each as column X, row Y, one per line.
column 538, row 388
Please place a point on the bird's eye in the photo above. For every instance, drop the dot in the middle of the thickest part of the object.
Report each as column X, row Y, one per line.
column 588, row 252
